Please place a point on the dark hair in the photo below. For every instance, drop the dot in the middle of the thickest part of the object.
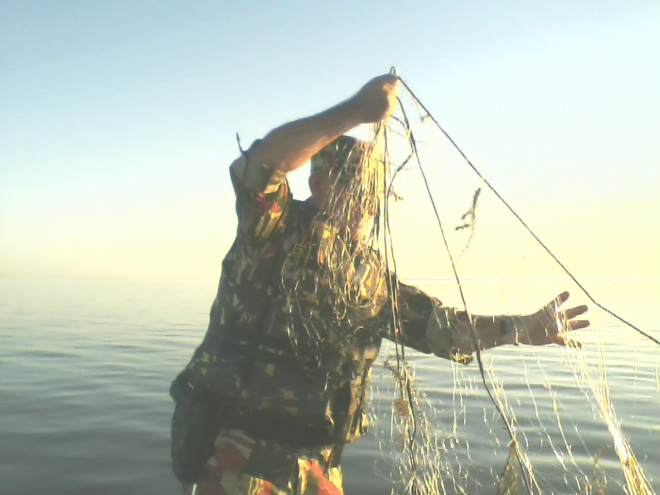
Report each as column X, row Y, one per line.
column 340, row 152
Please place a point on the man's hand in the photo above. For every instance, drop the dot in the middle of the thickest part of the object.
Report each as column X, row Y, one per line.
column 549, row 324
column 377, row 99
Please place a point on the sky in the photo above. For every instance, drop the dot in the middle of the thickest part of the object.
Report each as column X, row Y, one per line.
column 118, row 120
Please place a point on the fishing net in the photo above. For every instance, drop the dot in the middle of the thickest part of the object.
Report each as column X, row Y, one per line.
column 520, row 403
column 508, row 423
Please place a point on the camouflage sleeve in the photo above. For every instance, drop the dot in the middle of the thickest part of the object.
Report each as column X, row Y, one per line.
column 417, row 313
column 262, row 200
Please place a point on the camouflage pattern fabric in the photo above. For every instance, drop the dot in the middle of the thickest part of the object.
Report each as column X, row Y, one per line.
column 285, row 355
column 289, row 471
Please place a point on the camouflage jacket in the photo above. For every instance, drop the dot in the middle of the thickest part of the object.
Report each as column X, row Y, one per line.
column 284, row 353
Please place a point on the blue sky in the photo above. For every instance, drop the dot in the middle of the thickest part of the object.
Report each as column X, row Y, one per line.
column 118, row 119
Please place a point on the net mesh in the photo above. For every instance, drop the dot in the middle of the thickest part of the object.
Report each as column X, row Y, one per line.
column 508, row 424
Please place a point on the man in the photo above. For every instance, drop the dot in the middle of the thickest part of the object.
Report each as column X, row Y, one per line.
column 278, row 385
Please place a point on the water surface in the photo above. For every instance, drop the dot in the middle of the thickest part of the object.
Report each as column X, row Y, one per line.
column 85, row 366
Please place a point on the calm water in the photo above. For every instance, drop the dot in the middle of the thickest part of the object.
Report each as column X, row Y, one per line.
column 85, row 365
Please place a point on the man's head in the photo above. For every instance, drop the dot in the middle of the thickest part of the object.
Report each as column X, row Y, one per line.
column 346, row 181
column 334, row 166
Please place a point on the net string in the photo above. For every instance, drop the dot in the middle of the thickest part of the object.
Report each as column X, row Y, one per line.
column 523, row 223
column 634, row 476
column 473, row 333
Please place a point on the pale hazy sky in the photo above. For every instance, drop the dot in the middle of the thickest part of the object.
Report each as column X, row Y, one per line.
column 118, row 119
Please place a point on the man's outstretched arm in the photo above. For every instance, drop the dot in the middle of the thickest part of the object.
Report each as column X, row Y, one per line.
column 429, row 326
column 546, row 326
column 289, row 146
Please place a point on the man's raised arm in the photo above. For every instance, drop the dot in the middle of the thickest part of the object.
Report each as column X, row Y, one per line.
column 289, row 146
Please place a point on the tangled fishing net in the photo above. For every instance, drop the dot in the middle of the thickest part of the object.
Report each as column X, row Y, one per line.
column 426, row 201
